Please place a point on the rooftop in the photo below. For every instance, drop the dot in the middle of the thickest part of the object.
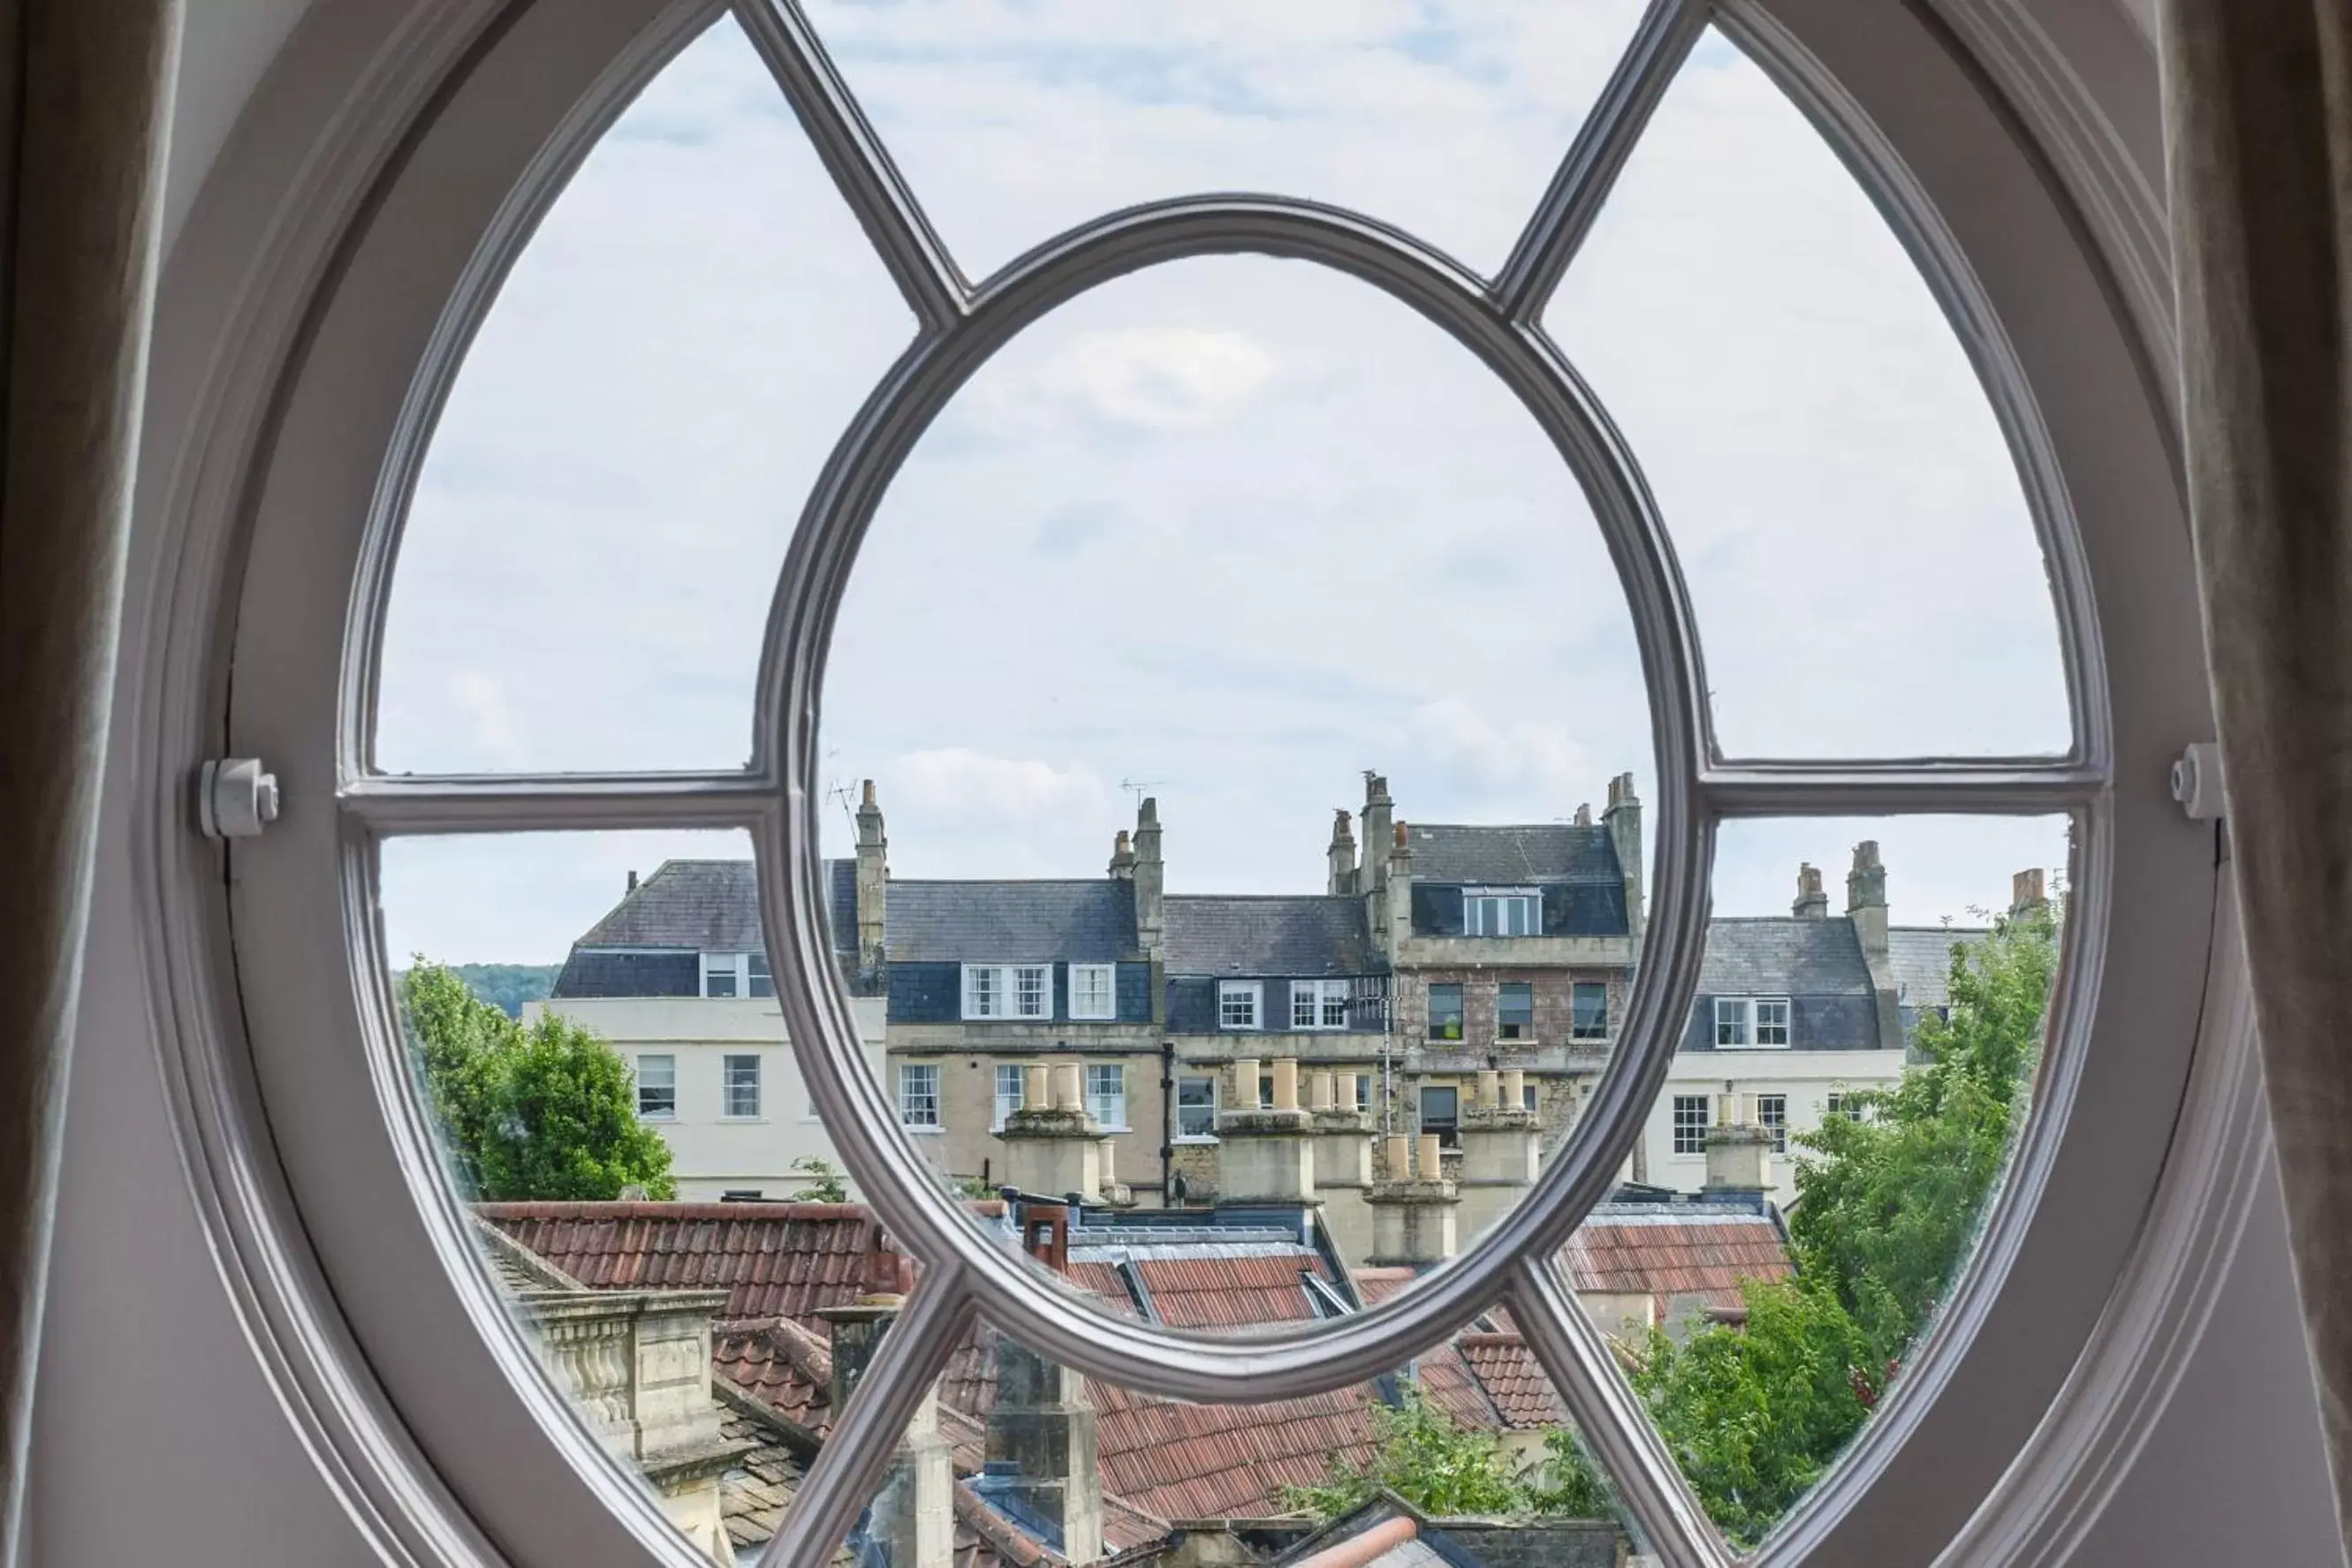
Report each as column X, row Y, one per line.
column 1299, row 936
column 1529, row 852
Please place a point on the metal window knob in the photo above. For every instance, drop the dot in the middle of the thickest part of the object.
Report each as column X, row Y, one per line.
column 234, row 798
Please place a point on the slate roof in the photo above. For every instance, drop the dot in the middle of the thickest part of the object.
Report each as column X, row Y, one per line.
column 1533, row 853
column 1298, row 937
column 1083, row 922
column 774, row 1260
column 710, row 906
column 1779, row 954
column 1921, row 960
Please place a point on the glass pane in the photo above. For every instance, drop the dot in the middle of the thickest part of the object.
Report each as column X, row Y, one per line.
column 1164, row 578
column 1803, row 1198
column 1016, row 120
column 1852, row 528
column 588, row 562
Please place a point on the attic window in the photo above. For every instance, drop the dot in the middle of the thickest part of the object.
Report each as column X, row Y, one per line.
column 1501, row 912
column 1751, row 1022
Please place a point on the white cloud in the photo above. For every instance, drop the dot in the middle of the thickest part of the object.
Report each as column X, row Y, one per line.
column 1145, row 378
column 961, row 785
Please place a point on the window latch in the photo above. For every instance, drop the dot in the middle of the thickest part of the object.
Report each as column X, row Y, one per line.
column 234, row 798
column 2197, row 781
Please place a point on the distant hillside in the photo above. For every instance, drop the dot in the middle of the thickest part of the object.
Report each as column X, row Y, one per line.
column 508, row 986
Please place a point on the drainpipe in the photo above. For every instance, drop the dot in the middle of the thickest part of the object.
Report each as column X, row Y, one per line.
column 1167, row 1121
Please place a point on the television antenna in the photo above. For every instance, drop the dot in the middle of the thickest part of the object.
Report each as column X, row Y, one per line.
column 1140, row 787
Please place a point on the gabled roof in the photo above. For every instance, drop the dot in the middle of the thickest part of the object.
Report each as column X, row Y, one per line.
column 1676, row 1249
column 1298, row 937
column 710, row 906
column 1512, row 1377
column 1083, row 922
column 1531, row 852
column 1781, row 953
column 775, row 1260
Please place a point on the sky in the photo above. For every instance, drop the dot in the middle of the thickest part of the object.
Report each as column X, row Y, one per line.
column 1230, row 531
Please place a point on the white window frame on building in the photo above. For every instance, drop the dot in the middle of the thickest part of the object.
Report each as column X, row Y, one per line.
column 1692, row 1115
column 918, row 1085
column 1739, row 1024
column 1196, row 1108
column 1032, row 990
column 1363, row 1090
column 1772, row 1116
column 1324, row 1004
column 1774, row 1022
column 722, row 976
column 758, row 982
column 738, row 1086
column 1107, row 1094
column 995, row 992
column 1011, row 1092
column 1094, row 991
column 1502, row 912
column 1241, row 1005
column 665, row 1088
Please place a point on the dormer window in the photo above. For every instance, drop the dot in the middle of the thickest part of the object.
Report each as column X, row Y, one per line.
column 1502, row 912
column 1008, row 990
column 1746, row 1022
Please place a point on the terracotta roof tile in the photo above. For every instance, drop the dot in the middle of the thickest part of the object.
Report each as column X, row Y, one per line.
column 775, row 1260
column 1509, row 1372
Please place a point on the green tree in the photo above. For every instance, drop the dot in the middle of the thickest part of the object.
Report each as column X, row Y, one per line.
column 565, row 1123
column 1421, row 1455
column 507, row 986
column 1889, row 1203
column 826, row 1182
column 1565, row 1483
column 1754, row 1413
column 544, row 1112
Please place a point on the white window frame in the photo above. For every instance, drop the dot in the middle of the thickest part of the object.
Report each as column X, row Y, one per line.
column 1032, row 990
column 1106, row 1105
column 727, row 1086
column 1004, row 1104
column 1733, row 1030
column 759, row 982
column 716, row 965
column 1102, row 978
column 989, row 986
column 919, row 1093
column 669, row 1086
column 1526, row 902
column 1772, row 1114
column 1324, row 1001
column 1229, row 992
column 1880, row 67
column 1183, row 1082
column 1779, row 1033
column 1688, row 1118
column 1364, row 1088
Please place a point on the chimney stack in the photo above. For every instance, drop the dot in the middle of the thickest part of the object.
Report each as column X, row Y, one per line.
column 873, row 883
column 1738, row 1149
column 910, row 1523
column 1042, row 1448
column 1414, row 1205
column 1342, row 855
column 1866, row 898
column 1623, row 819
column 1500, row 1149
column 1396, row 890
column 1584, row 814
column 633, row 882
column 1343, row 1162
column 1151, row 880
column 1811, row 904
column 1122, row 858
column 1378, row 811
column 1265, row 1154
column 2028, row 896
column 1052, row 1146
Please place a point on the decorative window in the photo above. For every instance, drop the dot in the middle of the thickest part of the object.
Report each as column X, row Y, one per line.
column 984, row 992
column 1237, row 1003
column 722, row 974
column 1196, row 1107
column 1012, row 1090
column 1502, row 912
column 1515, row 1010
column 1094, row 991
column 373, row 788
column 1772, row 1113
column 740, row 1086
column 918, row 1094
column 1731, row 1022
column 1692, row 1117
column 1589, row 1010
column 1772, row 1020
column 657, row 1087
column 1318, row 1004
column 1440, row 1112
column 1445, row 1012
column 1107, row 1093
column 1033, row 991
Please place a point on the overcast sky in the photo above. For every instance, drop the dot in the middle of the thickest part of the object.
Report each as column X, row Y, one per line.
column 1232, row 531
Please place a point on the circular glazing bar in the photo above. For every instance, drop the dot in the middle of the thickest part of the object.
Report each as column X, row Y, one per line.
column 816, row 575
